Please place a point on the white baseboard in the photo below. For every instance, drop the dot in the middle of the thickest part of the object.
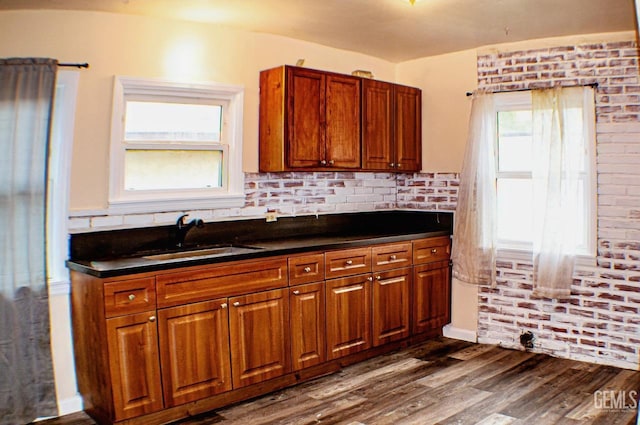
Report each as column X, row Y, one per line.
column 458, row 333
column 70, row 405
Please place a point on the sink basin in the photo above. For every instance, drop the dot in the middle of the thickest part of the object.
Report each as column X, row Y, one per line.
column 205, row 252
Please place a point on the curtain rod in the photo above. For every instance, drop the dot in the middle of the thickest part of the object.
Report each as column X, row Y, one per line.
column 594, row 85
column 75, row 65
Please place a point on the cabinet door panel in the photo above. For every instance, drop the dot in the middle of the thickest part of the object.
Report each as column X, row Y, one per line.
column 391, row 294
column 348, row 315
column 306, row 118
column 308, row 345
column 377, row 125
column 408, row 128
column 135, row 365
column 260, row 339
column 194, row 348
column 431, row 296
column 343, row 121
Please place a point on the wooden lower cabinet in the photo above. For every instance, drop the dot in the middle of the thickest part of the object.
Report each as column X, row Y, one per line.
column 260, row 339
column 194, row 351
column 391, row 305
column 348, row 315
column 134, row 365
column 431, row 296
column 308, row 346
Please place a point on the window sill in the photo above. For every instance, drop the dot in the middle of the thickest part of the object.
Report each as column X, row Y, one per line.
column 515, row 254
column 183, row 204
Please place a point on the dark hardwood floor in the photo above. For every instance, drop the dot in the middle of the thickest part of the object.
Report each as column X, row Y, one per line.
column 444, row 382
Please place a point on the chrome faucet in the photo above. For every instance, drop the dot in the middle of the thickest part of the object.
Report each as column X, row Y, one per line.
column 183, row 228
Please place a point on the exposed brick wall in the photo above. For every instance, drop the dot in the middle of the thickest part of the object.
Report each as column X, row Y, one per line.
column 600, row 322
column 304, row 193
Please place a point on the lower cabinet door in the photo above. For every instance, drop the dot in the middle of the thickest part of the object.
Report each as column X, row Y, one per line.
column 348, row 315
column 308, row 347
column 391, row 294
column 431, row 296
column 194, row 351
column 260, row 341
column 134, row 365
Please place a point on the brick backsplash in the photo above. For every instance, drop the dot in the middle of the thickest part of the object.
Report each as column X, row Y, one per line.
column 600, row 322
column 305, row 193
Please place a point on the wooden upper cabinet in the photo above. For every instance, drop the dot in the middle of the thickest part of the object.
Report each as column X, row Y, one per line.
column 377, row 125
column 308, row 120
column 408, row 128
column 391, row 127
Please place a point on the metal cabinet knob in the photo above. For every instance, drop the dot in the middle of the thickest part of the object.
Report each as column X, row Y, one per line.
column 348, row 262
column 132, row 297
column 392, row 165
column 378, row 277
column 398, row 165
column 370, row 278
column 331, row 162
column 223, row 305
column 433, row 251
column 323, row 162
column 296, row 292
column 393, row 257
column 236, row 304
column 307, row 269
column 152, row 318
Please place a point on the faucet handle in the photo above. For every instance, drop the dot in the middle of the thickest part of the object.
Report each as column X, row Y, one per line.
column 180, row 221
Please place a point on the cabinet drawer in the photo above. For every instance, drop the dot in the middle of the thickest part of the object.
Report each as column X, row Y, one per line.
column 347, row 262
column 129, row 296
column 224, row 281
column 391, row 256
column 306, row 269
column 432, row 249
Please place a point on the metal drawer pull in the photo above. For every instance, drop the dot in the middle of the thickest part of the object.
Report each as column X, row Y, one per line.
column 223, row 305
column 236, row 304
column 370, row 279
column 307, row 269
column 132, row 297
column 296, row 292
column 152, row 318
column 433, row 251
column 349, row 262
column 393, row 257
column 378, row 277
column 323, row 162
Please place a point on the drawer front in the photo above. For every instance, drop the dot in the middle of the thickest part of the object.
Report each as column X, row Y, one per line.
column 433, row 249
column 129, row 296
column 347, row 262
column 224, row 281
column 391, row 256
column 306, row 269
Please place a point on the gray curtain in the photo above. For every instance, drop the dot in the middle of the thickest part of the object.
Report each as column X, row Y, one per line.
column 27, row 388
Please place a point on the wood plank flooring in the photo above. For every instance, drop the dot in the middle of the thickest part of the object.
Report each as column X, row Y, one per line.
column 445, row 382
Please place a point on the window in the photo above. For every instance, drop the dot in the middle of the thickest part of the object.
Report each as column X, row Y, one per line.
column 175, row 146
column 514, row 181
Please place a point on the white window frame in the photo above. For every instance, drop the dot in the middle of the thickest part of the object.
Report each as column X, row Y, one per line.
column 510, row 101
column 231, row 194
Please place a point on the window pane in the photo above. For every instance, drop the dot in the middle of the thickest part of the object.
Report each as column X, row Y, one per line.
column 515, row 219
column 172, row 169
column 172, row 121
column 514, row 141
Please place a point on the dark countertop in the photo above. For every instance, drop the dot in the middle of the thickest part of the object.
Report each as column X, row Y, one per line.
column 121, row 252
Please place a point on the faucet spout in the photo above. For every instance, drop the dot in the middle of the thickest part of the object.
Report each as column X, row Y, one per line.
column 182, row 228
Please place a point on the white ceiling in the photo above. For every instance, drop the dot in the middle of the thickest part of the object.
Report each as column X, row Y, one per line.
column 390, row 29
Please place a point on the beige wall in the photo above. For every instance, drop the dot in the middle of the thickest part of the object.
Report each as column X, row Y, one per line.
column 148, row 47
column 444, row 80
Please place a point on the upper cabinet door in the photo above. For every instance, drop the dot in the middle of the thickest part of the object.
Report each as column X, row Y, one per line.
column 306, row 118
column 408, row 128
column 343, row 122
column 377, row 125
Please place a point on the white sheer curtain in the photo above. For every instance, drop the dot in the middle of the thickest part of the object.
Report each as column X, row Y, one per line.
column 560, row 173
column 26, row 374
column 474, row 233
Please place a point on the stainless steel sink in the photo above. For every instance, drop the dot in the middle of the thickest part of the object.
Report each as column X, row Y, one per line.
column 205, row 252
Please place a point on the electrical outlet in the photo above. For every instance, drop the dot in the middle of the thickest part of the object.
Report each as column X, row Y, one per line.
column 271, row 216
